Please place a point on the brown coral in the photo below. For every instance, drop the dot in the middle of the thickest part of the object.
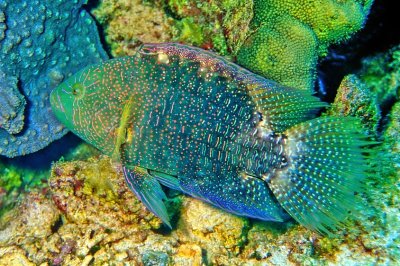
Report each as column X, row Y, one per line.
column 128, row 24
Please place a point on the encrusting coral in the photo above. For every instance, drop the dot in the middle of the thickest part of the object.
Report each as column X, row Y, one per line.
column 41, row 43
column 287, row 37
column 89, row 214
column 354, row 99
column 281, row 40
column 12, row 105
column 381, row 74
column 127, row 24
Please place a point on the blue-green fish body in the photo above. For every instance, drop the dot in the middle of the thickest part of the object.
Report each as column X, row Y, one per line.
column 193, row 121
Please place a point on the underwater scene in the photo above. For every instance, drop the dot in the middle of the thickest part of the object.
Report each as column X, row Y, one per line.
column 188, row 132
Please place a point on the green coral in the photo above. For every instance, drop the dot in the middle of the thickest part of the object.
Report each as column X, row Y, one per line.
column 288, row 36
column 10, row 179
column 218, row 25
column 190, row 32
column 14, row 180
column 285, row 51
column 355, row 99
column 381, row 73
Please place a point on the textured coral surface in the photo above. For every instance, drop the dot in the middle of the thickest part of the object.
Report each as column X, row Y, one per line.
column 280, row 40
column 288, row 36
column 41, row 43
column 89, row 216
column 12, row 105
column 129, row 23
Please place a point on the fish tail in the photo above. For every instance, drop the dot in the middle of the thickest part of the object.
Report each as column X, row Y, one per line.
column 326, row 168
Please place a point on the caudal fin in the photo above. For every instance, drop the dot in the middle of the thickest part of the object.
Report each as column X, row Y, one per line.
column 326, row 169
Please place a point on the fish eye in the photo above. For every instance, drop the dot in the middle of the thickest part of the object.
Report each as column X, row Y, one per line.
column 77, row 89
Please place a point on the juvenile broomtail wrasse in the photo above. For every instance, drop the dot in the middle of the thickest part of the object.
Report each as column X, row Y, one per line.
column 190, row 120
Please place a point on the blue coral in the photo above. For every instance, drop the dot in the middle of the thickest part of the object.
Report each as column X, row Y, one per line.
column 41, row 43
column 12, row 105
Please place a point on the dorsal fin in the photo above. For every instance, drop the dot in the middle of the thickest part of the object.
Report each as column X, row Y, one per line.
column 282, row 107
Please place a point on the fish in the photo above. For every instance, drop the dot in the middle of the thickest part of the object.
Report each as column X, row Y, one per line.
column 185, row 118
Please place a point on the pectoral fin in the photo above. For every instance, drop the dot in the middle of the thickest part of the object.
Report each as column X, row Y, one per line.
column 166, row 180
column 148, row 190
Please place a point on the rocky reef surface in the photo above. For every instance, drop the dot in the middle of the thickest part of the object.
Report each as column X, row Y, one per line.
column 41, row 43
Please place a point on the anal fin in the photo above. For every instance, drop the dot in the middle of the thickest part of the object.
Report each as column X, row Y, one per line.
column 240, row 194
column 148, row 190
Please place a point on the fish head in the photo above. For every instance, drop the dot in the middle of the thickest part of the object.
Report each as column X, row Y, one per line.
column 89, row 104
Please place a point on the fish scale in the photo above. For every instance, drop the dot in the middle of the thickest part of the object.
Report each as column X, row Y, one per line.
column 188, row 119
column 156, row 152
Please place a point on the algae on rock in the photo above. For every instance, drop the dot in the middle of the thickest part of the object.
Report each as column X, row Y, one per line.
column 381, row 73
column 354, row 99
column 127, row 24
column 218, row 25
column 373, row 97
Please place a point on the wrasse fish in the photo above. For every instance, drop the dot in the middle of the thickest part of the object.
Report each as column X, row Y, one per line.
column 190, row 120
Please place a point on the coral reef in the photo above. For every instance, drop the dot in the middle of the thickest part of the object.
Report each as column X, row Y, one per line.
column 218, row 25
column 12, row 105
column 381, row 74
column 41, row 43
column 89, row 215
column 281, row 40
column 287, row 37
column 354, row 99
column 128, row 24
